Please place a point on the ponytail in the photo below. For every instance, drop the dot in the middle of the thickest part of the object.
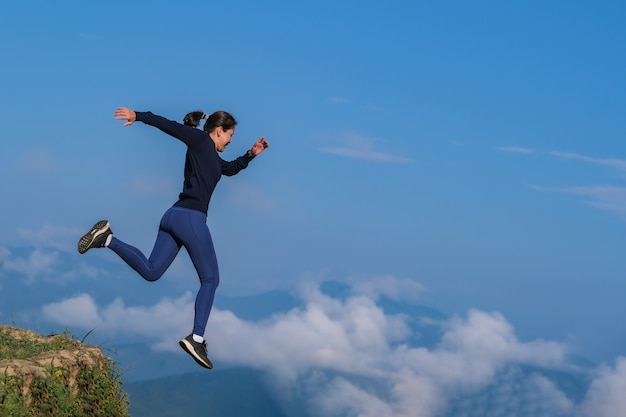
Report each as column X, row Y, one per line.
column 193, row 118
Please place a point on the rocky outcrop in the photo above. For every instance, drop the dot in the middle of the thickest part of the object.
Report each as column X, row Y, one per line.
column 56, row 375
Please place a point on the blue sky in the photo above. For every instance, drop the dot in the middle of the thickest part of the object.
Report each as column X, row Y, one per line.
column 470, row 151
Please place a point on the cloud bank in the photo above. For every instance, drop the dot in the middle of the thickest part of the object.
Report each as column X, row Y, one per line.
column 346, row 356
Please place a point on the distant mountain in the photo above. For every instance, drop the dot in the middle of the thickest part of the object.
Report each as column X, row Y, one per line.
column 258, row 307
column 218, row 393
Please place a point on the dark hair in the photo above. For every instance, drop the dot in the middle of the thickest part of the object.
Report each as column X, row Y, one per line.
column 219, row 118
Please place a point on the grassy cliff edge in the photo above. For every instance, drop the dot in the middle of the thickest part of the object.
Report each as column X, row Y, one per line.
column 56, row 376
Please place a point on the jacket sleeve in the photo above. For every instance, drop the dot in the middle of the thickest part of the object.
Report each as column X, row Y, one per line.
column 230, row 168
column 185, row 134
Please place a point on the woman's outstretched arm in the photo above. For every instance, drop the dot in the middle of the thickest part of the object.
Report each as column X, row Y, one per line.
column 185, row 134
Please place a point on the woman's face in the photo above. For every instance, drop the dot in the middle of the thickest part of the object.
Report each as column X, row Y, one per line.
column 222, row 138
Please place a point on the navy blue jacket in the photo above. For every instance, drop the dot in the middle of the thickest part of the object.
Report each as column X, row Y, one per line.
column 203, row 165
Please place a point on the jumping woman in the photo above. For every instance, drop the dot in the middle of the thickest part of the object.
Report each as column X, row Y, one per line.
column 184, row 224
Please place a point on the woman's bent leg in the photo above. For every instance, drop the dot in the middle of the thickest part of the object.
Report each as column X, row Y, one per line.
column 165, row 250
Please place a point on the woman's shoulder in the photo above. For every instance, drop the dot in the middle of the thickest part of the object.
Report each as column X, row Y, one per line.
column 202, row 141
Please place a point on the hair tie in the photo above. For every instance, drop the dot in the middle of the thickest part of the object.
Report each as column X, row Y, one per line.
column 204, row 116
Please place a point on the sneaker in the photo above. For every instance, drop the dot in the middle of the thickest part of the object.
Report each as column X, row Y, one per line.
column 196, row 350
column 96, row 237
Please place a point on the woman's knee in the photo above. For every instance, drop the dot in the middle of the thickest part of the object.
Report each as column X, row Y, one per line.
column 152, row 275
column 213, row 281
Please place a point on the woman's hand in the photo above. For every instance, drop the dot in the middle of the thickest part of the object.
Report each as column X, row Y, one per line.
column 122, row 113
column 259, row 146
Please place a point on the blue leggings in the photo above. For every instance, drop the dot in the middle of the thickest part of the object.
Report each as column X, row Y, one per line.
column 179, row 227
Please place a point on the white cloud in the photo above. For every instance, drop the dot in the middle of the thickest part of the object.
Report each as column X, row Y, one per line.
column 606, row 396
column 557, row 401
column 515, row 149
column 360, row 147
column 415, row 395
column 47, row 263
column 39, row 262
column 476, row 347
column 605, row 197
column 613, row 163
column 388, row 285
column 51, row 236
column 324, row 334
column 78, row 311
column 340, row 398
column 164, row 322
column 79, row 271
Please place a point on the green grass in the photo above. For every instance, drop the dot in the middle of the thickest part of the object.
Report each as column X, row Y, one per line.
column 14, row 347
column 56, row 376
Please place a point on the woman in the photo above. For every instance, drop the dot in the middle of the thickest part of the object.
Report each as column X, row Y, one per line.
column 184, row 224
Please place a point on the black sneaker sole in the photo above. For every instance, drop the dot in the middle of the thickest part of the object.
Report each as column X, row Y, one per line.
column 187, row 347
column 85, row 242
